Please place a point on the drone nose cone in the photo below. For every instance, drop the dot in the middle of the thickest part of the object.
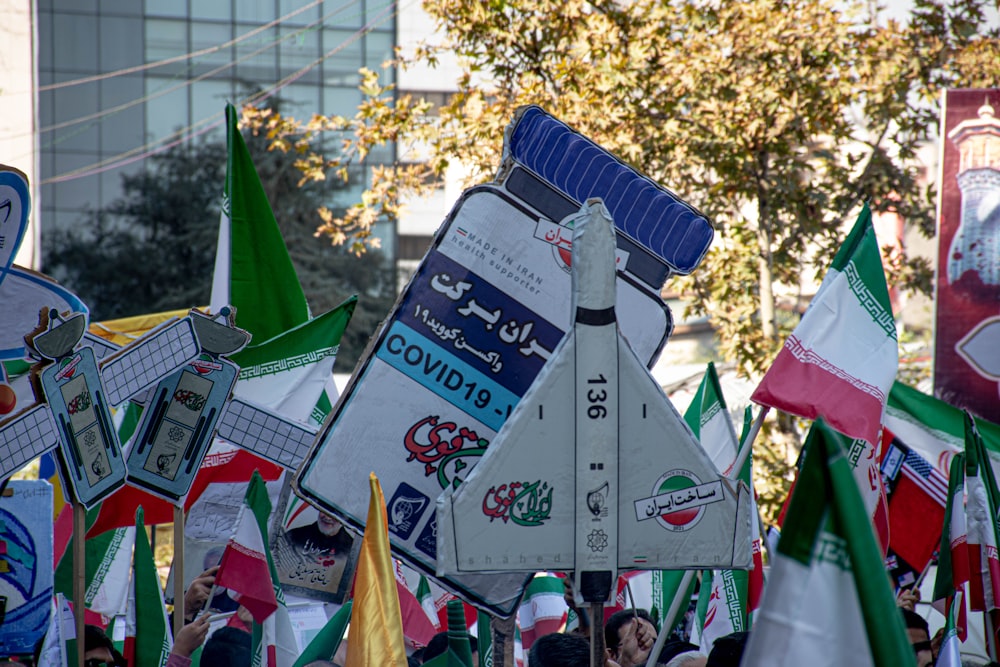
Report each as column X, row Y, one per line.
column 594, row 264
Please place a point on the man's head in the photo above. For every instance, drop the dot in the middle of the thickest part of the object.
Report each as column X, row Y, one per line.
column 227, row 647
column 98, row 649
column 727, row 651
column 327, row 524
column 559, row 650
column 629, row 635
column 919, row 635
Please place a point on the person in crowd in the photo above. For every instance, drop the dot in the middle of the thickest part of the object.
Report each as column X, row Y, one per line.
column 676, row 653
column 559, row 650
column 727, row 651
column 99, row 651
column 439, row 644
column 919, row 634
column 629, row 636
column 227, row 647
column 188, row 638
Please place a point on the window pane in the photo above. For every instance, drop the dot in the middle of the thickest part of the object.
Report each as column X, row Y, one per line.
column 341, row 68
column 343, row 13
column 165, row 39
column 120, row 43
column 124, row 129
column 301, row 101
column 168, row 112
column 299, row 47
column 166, row 7
column 209, row 35
column 75, row 48
column 220, row 10
column 286, row 7
column 256, row 11
column 257, row 55
column 339, row 101
column 70, row 105
column 209, row 101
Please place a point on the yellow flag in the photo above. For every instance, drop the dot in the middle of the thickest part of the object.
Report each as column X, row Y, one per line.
column 376, row 635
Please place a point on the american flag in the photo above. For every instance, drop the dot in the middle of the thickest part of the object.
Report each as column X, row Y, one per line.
column 924, row 475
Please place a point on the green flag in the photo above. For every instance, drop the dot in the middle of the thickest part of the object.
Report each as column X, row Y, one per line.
column 325, row 644
column 147, row 635
column 459, row 652
column 253, row 271
column 827, row 594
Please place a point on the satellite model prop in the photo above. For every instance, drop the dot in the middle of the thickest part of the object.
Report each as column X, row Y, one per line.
column 594, row 471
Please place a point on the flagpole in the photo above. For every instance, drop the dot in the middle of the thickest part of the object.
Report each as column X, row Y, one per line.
column 79, row 577
column 502, row 638
column 675, row 605
column 741, row 458
column 991, row 637
column 179, row 610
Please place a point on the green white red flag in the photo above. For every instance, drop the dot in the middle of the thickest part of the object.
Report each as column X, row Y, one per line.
column 841, row 360
column 953, row 558
column 828, row 601
column 543, row 608
column 950, row 653
column 147, row 634
column 981, row 513
column 245, row 569
column 935, row 429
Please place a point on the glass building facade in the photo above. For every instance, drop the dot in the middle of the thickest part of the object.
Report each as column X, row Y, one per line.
column 122, row 79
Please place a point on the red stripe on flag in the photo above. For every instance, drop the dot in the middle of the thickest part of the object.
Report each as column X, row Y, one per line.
column 811, row 391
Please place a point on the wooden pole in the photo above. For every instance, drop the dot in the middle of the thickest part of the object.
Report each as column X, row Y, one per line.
column 179, row 569
column 502, row 637
column 597, row 648
column 79, row 577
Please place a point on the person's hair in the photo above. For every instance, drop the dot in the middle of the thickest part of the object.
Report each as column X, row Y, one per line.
column 727, row 651
column 94, row 638
column 673, row 648
column 439, row 644
column 559, row 650
column 227, row 647
column 914, row 620
column 683, row 658
column 617, row 620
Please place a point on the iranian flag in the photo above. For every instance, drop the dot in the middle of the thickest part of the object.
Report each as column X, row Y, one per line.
column 147, row 635
column 728, row 598
column 417, row 627
column 953, row 559
column 827, row 601
column 427, row 602
column 108, row 560
column 981, row 512
column 841, row 360
column 950, row 654
column 709, row 419
column 245, row 566
column 290, row 363
column 935, row 429
column 543, row 608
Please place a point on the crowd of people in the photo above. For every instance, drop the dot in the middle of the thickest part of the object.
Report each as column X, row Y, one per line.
column 630, row 636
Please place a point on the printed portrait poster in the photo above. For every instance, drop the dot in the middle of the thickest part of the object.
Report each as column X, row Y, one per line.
column 967, row 335
column 313, row 552
column 209, row 525
column 26, row 570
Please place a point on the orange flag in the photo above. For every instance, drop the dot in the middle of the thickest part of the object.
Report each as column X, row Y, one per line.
column 376, row 635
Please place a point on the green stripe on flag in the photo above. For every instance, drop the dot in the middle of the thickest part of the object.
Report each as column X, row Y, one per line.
column 263, row 285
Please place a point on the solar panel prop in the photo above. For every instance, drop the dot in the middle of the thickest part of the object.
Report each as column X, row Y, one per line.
column 68, row 380
column 179, row 422
column 477, row 323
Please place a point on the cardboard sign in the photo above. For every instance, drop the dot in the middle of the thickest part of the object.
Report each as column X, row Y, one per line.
column 15, row 204
column 479, row 319
column 178, row 424
column 25, row 565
